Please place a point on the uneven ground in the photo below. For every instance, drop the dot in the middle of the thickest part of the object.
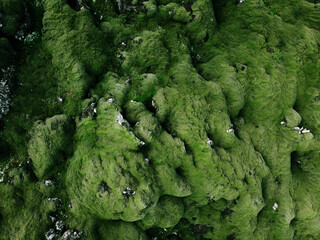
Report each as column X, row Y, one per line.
column 161, row 119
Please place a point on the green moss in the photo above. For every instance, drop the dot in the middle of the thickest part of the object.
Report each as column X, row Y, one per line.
column 166, row 214
column 50, row 144
column 87, row 57
column 24, row 211
column 121, row 230
column 13, row 12
column 185, row 116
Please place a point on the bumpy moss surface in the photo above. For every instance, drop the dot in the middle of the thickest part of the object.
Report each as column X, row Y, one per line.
column 160, row 119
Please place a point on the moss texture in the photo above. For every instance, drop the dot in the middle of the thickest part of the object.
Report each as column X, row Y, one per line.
column 161, row 119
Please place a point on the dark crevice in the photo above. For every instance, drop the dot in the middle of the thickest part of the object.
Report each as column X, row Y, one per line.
column 263, row 188
column 198, row 228
column 218, row 9
column 188, row 5
column 190, row 153
column 74, row 4
column 259, row 216
column 179, row 171
column 231, row 237
column 246, row 180
column 165, row 125
column 295, row 162
column 150, row 108
column 103, row 187
column 127, row 118
column 206, row 38
column 227, row 212
column 215, row 11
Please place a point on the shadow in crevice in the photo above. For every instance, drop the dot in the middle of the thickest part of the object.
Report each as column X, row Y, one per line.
column 218, row 9
column 295, row 163
column 74, row 4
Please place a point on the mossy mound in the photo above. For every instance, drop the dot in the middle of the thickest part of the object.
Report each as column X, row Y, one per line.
column 50, row 144
column 191, row 119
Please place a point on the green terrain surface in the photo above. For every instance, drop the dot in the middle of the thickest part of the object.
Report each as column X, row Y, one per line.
column 159, row 119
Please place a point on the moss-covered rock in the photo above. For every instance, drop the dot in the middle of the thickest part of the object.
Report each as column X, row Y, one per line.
column 193, row 119
column 121, row 230
column 12, row 16
column 106, row 163
column 63, row 29
column 50, row 143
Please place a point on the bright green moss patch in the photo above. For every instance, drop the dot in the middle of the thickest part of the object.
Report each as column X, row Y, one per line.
column 160, row 120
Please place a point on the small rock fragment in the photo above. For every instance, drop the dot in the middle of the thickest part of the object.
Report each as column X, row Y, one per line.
column 121, row 120
column 48, row 182
column 275, row 206
column 59, row 225
column 51, row 234
column 71, row 234
column 128, row 192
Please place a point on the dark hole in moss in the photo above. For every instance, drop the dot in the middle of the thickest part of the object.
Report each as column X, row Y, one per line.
column 276, row 179
column 126, row 116
column 188, row 149
column 198, row 228
column 246, row 180
column 293, row 222
column 74, row 4
column 150, row 108
column 295, row 162
column 4, row 149
column 129, row 19
column 234, row 201
column 103, row 187
column 179, row 171
column 235, row 68
column 231, row 237
column 269, row 49
column 165, row 124
column 220, row 7
column 226, row 212
column 206, row 38
column 188, row 5
column 194, row 218
column 149, row 69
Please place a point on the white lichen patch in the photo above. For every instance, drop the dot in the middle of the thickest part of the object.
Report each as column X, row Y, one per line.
column 6, row 76
column 128, row 192
column 2, row 172
column 48, row 182
column 110, row 100
column 301, row 130
column 31, row 37
column 121, row 120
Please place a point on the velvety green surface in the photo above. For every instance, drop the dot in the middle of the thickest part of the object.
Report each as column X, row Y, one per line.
column 160, row 119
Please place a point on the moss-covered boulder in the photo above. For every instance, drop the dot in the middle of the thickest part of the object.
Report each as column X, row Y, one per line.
column 50, row 144
column 121, row 230
column 191, row 119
